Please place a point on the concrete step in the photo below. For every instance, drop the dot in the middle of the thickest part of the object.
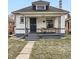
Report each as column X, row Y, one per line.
column 32, row 37
column 43, row 36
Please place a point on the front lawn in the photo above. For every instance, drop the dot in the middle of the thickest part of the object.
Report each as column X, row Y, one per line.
column 14, row 47
column 52, row 49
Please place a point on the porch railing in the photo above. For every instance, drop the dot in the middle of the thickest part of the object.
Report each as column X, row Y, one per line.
column 55, row 30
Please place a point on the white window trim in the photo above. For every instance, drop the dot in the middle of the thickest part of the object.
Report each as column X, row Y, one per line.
column 50, row 23
column 41, row 5
column 20, row 20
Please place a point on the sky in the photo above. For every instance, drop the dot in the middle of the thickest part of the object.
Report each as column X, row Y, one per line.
column 18, row 4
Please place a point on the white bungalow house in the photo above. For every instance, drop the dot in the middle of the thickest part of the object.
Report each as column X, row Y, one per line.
column 40, row 18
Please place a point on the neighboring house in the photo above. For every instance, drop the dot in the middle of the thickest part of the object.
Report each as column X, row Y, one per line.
column 10, row 25
column 68, row 24
column 40, row 18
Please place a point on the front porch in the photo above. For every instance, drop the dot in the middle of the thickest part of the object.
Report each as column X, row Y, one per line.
column 41, row 25
column 54, row 24
column 52, row 33
column 44, row 34
column 44, row 28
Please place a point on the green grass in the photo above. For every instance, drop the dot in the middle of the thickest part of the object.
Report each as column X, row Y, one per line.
column 52, row 49
column 14, row 48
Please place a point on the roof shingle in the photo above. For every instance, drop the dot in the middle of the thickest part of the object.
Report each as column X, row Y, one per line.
column 29, row 9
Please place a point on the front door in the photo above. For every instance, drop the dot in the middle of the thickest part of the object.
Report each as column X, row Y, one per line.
column 32, row 24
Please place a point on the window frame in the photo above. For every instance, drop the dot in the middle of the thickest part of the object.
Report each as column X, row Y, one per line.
column 52, row 23
column 40, row 6
column 21, row 20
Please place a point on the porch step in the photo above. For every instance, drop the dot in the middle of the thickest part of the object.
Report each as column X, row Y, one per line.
column 36, row 36
column 51, row 37
column 32, row 37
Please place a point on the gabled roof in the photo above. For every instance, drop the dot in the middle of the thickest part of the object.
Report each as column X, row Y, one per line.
column 40, row 2
column 29, row 9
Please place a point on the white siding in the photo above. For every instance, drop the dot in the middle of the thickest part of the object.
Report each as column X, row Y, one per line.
column 20, row 31
column 40, row 23
column 19, row 27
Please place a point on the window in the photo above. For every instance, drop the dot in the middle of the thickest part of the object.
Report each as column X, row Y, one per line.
column 40, row 7
column 22, row 20
column 49, row 23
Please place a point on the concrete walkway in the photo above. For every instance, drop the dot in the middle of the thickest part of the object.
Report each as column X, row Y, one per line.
column 25, row 53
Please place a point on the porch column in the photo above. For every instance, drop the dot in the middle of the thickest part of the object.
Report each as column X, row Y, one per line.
column 63, row 23
column 59, row 24
column 27, row 25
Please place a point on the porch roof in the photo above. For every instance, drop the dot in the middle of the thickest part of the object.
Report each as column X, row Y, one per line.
column 29, row 9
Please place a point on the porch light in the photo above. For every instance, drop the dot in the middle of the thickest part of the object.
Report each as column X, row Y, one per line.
column 44, row 21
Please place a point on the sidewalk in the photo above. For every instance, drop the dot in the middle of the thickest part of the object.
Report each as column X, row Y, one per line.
column 25, row 53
